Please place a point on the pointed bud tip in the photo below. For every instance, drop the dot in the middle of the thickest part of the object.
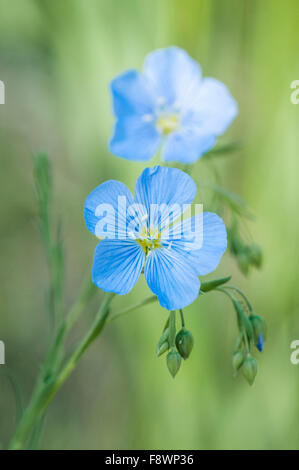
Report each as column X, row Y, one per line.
column 256, row 255
column 250, row 369
column 173, row 361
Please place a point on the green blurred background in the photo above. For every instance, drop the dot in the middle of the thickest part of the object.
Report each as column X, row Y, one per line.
column 56, row 60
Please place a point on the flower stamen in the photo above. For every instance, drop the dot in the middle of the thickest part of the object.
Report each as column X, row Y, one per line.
column 167, row 123
column 149, row 240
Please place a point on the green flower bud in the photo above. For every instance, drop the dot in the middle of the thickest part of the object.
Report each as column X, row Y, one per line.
column 238, row 343
column 173, row 360
column 184, row 343
column 250, row 369
column 236, row 243
column 243, row 320
column 243, row 262
column 238, row 359
column 162, row 348
column 163, row 345
column 256, row 255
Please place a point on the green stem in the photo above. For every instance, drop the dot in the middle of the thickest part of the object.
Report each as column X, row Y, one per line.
column 54, row 356
column 247, row 346
column 48, row 387
column 127, row 310
column 36, row 434
column 87, row 293
column 187, row 169
column 17, row 393
column 220, row 289
column 182, row 318
column 92, row 334
column 243, row 328
column 236, row 289
column 172, row 329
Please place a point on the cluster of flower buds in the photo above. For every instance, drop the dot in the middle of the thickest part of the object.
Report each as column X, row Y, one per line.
column 252, row 329
column 248, row 255
column 178, row 345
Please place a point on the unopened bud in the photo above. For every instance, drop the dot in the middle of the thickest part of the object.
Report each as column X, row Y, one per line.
column 163, row 345
column 184, row 343
column 173, row 362
column 260, row 331
column 243, row 262
column 161, row 349
column 243, row 320
column 238, row 359
column 256, row 255
column 250, row 369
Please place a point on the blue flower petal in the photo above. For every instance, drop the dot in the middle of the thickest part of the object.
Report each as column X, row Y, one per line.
column 206, row 259
column 132, row 94
column 134, row 138
column 117, row 265
column 186, row 235
column 170, row 277
column 187, row 145
column 173, row 73
column 164, row 187
column 103, row 210
column 212, row 108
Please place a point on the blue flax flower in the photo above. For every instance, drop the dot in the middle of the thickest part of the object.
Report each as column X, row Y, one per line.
column 169, row 104
column 149, row 233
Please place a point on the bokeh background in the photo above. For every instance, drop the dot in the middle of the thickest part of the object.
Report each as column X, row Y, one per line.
column 56, row 59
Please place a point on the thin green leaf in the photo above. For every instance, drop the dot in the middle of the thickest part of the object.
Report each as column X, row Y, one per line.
column 223, row 150
column 210, row 285
column 18, row 395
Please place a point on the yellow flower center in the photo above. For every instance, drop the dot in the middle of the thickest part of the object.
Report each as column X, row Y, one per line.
column 167, row 123
column 149, row 240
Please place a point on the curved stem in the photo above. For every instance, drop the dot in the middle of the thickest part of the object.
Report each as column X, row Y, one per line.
column 243, row 328
column 236, row 289
column 220, row 289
